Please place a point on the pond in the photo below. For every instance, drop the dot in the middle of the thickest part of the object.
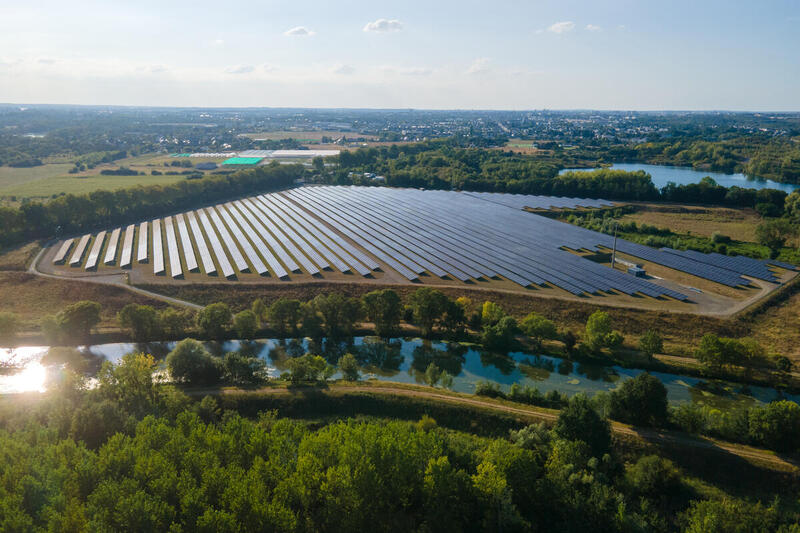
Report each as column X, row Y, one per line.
column 663, row 174
column 405, row 360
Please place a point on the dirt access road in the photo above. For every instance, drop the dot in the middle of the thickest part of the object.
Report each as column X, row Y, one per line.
column 749, row 453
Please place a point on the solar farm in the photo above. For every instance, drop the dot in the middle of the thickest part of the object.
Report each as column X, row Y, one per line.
column 389, row 235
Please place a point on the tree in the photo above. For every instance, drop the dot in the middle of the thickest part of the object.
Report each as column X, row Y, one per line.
column 711, row 352
column 77, row 320
column 141, row 320
column 651, row 343
column 599, row 334
column 538, row 328
column 774, row 233
column 428, row 306
column 791, row 207
column 339, row 314
column 384, row 309
column 241, row 369
column 9, row 326
column 130, row 383
column 348, row 366
column 190, row 362
column 309, row 367
column 500, row 336
column 653, row 476
column 491, row 313
column 311, row 321
column 245, row 324
column 776, row 426
column 641, row 401
column 259, row 309
column 214, row 320
column 579, row 421
column 570, row 340
column 175, row 323
column 284, row 314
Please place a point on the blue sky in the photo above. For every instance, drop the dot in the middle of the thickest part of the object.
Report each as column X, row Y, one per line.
column 601, row 54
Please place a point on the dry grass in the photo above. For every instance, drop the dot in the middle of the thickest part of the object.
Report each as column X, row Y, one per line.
column 738, row 224
column 33, row 297
column 19, row 258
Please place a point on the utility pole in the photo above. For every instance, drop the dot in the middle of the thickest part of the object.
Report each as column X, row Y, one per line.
column 614, row 252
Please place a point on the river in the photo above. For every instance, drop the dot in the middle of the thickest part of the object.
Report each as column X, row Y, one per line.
column 405, row 360
column 662, row 174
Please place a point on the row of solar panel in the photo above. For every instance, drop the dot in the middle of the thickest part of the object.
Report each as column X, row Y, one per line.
column 424, row 233
column 262, row 235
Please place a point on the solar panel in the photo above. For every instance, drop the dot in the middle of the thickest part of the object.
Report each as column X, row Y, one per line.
column 158, row 248
column 269, row 240
column 186, row 244
column 77, row 255
column 205, row 255
column 275, row 266
column 307, row 249
column 227, row 240
column 175, row 268
column 94, row 253
column 111, row 250
column 264, row 219
column 127, row 247
column 249, row 251
column 219, row 252
column 141, row 254
column 61, row 254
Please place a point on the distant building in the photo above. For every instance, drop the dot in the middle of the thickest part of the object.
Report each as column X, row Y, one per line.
column 379, row 179
column 205, row 166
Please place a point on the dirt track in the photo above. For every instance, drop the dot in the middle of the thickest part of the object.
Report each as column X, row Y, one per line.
column 663, row 437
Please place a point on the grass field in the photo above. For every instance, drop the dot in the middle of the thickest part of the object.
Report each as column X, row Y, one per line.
column 738, row 224
column 54, row 178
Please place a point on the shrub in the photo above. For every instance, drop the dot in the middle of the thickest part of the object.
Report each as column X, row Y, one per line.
column 348, row 366
column 245, row 324
column 653, row 476
column 579, row 421
column 141, row 320
column 641, row 401
column 776, row 426
column 242, row 369
column 309, row 367
column 214, row 320
column 189, row 362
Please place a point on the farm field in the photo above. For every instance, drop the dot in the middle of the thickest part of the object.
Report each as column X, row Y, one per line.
column 54, row 178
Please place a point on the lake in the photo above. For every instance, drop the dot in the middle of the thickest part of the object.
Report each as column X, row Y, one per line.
column 405, row 360
column 662, row 174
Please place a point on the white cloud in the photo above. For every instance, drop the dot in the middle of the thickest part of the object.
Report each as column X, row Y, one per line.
column 218, row 42
column 592, row 27
column 240, row 69
column 480, row 64
column 384, row 26
column 266, row 67
column 299, row 31
column 345, row 70
column 562, row 27
column 46, row 60
column 407, row 71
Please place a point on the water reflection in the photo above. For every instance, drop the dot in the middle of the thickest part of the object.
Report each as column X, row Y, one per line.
column 403, row 360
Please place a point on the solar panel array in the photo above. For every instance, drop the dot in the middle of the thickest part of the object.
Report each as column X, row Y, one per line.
column 469, row 237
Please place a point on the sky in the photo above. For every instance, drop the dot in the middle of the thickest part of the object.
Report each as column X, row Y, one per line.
column 524, row 54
